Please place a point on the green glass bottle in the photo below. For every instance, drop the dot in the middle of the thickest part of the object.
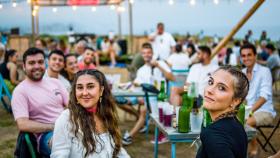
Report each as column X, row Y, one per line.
column 206, row 118
column 184, row 112
column 241, row 113
column 162, row 95
column 161, row 99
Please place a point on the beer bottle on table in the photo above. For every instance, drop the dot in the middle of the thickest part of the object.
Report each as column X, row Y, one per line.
column 162, row 95
column 161, row 99
column 241, row 113
column 206, row 118
column 184, row 112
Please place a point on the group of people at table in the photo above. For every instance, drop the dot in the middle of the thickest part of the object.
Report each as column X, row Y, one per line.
column 80, row 119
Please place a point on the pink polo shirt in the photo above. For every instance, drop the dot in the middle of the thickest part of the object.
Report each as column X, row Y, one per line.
column 82, row 66
column 41, row 101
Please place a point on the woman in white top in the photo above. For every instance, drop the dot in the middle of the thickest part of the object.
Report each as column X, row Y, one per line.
column 179, row 60
column 89, row 127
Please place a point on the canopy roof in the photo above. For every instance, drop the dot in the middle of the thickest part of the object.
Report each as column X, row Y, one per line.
column 67, row 2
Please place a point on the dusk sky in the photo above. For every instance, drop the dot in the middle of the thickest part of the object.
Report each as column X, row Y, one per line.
column 180, row 17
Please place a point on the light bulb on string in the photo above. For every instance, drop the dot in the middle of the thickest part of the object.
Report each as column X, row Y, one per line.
column 93, row 9
column 171, row 2
column 54, row 10
column 120, row 9
column 28, row 1
column 216, row 2
column 241, row 1
column 34, row 13
column 113, row 7
column 14, row 4
column 131, row 1
column 1, row 6
column 36, row 7
column 74, row 8
column 192, row 2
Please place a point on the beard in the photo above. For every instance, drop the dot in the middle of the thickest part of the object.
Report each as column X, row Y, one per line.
column 35, row 75
column 88, row 61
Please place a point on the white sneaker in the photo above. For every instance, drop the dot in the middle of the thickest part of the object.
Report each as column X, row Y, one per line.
column 143, row 130
column 161, row 141
column 127, row 139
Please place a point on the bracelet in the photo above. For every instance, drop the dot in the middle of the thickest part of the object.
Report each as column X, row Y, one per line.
column 251, row 113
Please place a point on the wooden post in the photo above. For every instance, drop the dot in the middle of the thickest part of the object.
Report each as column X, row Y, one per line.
column 119, row 21
column 32, row 23
column 237, row 27
column 37, row 23
column 130, row 27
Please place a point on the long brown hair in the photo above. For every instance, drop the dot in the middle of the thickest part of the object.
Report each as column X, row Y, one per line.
column 83, row 124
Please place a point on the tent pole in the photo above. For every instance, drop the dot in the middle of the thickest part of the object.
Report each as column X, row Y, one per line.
column 225, row 40
column 32, row 23
column 130, row 27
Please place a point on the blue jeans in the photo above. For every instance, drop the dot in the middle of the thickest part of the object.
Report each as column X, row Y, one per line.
column 44, row 148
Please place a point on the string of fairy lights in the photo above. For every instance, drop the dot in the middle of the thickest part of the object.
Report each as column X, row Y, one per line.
column 117, row 7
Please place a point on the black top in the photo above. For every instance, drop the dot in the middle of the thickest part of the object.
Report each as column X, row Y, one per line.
column 225, row 138
column 5, row 72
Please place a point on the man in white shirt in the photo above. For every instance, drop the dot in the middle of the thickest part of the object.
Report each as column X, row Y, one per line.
column 163, row 43
column 56, row 64
column 152, row 71
column 199, row 74
column 259, row 97
column 273, row 60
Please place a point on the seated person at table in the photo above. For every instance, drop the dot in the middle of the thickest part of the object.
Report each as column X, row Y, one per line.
column 80, row 49
column 71, row 67
column 199, row 74
column 87, row 61
column 55, row 66
column 179, row 60
column 151, row 70
column 8, row 69
column 37, row 102
column 110, row 49
column 259, row 97
column 225, row 137
column 89, row 127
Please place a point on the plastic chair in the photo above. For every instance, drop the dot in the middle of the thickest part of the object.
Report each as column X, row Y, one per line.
column 4, row 92
column 148, row 88
column 267, row 139
column 26, row 146
column 30, row 146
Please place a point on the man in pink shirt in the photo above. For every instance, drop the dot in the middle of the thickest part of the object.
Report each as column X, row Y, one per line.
column 87, row 62
column 37, row 102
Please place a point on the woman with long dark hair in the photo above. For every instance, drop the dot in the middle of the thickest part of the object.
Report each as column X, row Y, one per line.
column 225, row 137
column 89, row 127
column 8, row 69
column 71, row 67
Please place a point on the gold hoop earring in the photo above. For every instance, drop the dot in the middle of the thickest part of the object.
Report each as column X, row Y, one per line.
column 100, row 99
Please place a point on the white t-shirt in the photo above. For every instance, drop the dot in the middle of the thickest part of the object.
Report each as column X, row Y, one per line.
column 66, row 144
column 63, row 80
column 179, row 61
column 200, row 74
column 144, row 74
column 162, row 45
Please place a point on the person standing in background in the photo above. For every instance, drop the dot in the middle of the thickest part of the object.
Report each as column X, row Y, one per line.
column 163, row 43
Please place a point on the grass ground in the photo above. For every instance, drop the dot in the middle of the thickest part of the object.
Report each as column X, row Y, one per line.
column 140, row 148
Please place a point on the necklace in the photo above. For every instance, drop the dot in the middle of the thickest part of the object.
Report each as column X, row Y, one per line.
column 225, row 115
